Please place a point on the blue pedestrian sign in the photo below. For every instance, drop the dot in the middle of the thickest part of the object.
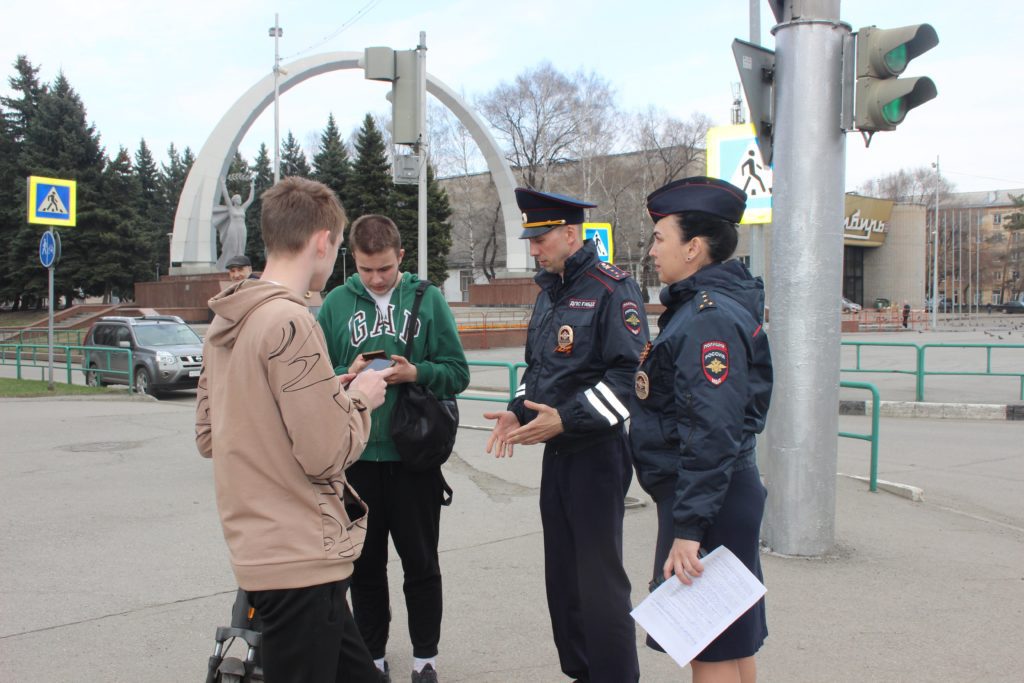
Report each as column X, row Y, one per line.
column 733, row 155
column 51, row 201
column 601, row 235
column 49, row 249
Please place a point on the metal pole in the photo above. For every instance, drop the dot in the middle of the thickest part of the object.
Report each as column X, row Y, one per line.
column 756, row 230
column 49, row 326
column 421, row 150
column 935, row 250
column 805, row 277
column 277, row 96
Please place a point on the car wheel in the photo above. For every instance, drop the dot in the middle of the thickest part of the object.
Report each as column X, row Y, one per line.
column 143, row 384
column 92, row 378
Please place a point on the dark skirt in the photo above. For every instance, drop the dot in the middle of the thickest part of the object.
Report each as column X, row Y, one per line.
column 737, row 527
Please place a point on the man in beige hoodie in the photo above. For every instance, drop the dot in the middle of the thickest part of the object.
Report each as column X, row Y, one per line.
column 281, row 429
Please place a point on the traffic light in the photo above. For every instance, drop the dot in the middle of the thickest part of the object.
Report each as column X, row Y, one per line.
column 882, row 99
column 401, row 69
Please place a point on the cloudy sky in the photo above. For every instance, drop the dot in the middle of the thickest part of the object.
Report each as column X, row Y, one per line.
column 168, row 71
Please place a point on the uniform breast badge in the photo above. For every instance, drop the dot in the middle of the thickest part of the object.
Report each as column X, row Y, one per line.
column 643, row 385
column 564, row 339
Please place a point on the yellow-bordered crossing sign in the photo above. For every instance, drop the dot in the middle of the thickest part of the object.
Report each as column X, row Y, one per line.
column 601, row 234
column 51, row 201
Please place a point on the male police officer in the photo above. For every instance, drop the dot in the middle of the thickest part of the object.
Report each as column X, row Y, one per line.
column 586, row 334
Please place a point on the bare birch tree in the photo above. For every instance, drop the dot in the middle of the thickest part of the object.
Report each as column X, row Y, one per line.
column 536, row 116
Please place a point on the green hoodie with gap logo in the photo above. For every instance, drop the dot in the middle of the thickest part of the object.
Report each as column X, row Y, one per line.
column 353, row 325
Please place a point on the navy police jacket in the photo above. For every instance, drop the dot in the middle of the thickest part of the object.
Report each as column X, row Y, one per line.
column 702, row 392
column 586, row 334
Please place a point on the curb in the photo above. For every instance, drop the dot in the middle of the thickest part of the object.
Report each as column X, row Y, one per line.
column 942, row 411
column 912, row 493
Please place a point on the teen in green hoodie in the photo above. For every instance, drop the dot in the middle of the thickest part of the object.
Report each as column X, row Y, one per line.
column 371, row 312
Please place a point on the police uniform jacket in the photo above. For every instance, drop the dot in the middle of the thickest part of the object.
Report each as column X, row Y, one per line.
column 585, row 337
column 702, row 393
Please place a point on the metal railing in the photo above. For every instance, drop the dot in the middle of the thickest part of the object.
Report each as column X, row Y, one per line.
column 37, row 356
column 513, row 380
column 920, row 371
column 873, row 436
column 38, row 335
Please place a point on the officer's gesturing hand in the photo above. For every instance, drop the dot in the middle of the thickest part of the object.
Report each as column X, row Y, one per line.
column 507, row 422
column 547, row 425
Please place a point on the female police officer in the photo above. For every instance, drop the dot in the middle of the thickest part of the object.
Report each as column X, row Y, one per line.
column 702, row 392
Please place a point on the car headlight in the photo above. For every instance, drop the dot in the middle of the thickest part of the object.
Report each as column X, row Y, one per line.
column 166, row 359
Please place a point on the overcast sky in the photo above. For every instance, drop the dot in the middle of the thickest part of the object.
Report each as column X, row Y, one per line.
column 168, row 71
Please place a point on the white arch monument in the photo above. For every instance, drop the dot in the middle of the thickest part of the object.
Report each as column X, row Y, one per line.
column 194, row 244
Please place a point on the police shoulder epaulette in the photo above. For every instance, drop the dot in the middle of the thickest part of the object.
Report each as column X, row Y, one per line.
column 704, row 301
column 611, row 271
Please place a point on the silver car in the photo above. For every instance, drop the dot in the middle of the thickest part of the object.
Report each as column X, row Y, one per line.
column 166, row 354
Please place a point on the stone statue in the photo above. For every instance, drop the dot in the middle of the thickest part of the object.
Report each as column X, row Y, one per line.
column 231, row 227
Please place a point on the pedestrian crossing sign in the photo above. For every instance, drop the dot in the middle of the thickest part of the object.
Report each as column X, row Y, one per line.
column 601, row 235
column 733, row 155
column 51, row 201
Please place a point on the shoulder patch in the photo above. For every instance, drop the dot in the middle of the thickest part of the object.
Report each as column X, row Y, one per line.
column 614, row 272
column 704, row 301
column 714, row 358
column 631, row 317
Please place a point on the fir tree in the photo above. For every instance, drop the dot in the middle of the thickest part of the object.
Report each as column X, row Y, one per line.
column 405, row 205
column 264, row 172
column 152, row 226
column 120, row 255
column 60, row 143
column 293, row 159
column 367, row 187
column 331, row 163
column 370, row 184
column 17, row 113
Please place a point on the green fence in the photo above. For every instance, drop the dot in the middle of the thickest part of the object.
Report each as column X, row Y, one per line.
column 65, row 359
column 920, row 370
column 873, row 436
column 513, row 380
column 38, row 335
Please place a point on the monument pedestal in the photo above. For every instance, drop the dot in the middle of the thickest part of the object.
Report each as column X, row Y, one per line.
column 185, row 296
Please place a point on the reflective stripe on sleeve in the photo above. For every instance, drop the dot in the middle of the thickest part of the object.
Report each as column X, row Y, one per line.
column 613, row 400
column 600, row 407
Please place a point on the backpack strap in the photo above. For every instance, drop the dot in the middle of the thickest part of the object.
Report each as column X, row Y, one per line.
column 420, row 288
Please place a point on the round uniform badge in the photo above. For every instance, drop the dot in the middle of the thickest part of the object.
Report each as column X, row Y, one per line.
column 643, row 385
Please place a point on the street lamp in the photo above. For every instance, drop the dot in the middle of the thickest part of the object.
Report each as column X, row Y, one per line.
column 276, row 32
column 344, row 264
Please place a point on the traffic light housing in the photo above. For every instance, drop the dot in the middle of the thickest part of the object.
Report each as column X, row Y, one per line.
column 883, row 100
column 401, row 69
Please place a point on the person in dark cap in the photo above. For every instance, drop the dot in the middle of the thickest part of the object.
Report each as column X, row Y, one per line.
column 701, row 395
column 239, row 267
column 584, row 342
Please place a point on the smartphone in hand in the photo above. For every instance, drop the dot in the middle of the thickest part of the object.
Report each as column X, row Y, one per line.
column 378, row 364
column 373, row 355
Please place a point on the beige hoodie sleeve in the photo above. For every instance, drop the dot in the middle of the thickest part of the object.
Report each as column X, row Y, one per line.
column 204, row 439
column 327, row 432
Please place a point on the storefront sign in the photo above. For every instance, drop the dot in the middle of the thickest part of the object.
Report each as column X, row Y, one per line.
column 867, row 221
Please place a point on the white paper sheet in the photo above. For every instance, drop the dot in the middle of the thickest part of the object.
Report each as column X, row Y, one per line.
column 685, row 619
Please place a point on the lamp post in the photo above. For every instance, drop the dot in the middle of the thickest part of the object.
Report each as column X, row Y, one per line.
column 276, row 32
column 935, row 249
column 344, row 264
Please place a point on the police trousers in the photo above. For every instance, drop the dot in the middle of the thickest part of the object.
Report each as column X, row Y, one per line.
column 582, row 502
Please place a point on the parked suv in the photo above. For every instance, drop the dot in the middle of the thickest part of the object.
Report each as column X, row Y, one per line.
column 166, row 353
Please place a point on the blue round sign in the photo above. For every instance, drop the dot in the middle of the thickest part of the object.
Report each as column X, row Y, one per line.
column 48, row 249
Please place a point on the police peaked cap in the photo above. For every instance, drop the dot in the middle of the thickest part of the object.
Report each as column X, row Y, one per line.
column 698, row 193
column 544, row 211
